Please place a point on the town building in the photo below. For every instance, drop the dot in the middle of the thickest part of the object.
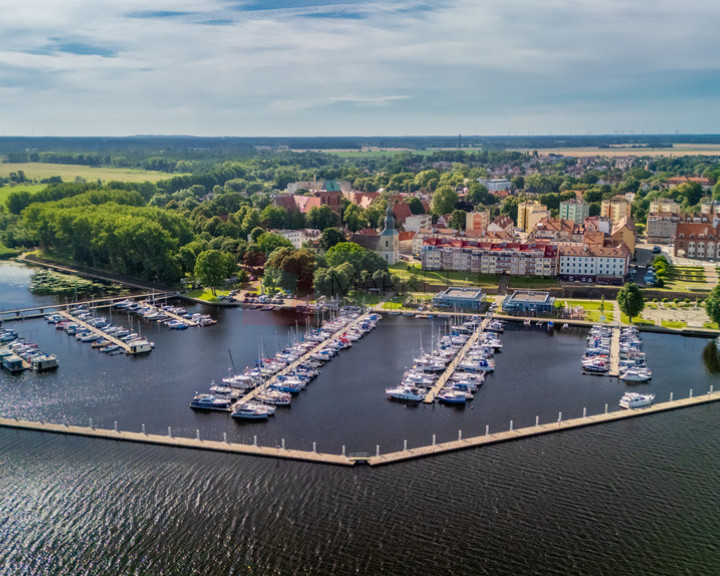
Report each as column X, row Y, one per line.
column 696, row 239
column 496, row 184
column 557, row 230
column 663, row 205
column 386, row 244
column 488, row 258
column 477, row 222
column 528, row 301
column 616, row 208
column 575, row 210
column 299, row 237
column 418, row 222
column 530, row 213
column 305, row 203
column 661, row 227
column 624, row 232
column 593, row 263
column 459, row 298
column 502, row 223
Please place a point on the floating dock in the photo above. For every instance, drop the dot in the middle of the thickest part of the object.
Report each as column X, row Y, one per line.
column 350, row 460
column 614, row 353
column 449, row 371
column 290, row 367
column 108, row 337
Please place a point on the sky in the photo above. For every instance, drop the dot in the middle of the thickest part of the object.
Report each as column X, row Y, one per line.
column 361, row 68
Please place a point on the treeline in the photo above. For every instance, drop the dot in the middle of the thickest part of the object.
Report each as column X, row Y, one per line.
column 112, row 230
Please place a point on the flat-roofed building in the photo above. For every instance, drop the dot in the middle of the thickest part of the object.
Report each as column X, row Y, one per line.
column 477, row 222
column 528, row 301
column 661, row 226
column 575, row 210
column 460, row 298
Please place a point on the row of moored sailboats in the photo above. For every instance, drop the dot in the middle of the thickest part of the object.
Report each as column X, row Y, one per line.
column 469, row 374
column 278, row 383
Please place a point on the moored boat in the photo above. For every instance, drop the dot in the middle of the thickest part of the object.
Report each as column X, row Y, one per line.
column 636, row 400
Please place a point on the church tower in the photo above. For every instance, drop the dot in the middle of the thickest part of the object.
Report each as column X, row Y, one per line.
column 389, row 243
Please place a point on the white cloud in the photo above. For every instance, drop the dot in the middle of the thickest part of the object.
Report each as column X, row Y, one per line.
column 401, row 67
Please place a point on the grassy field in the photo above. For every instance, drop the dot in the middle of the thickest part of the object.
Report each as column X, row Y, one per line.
column 6, row 252
column 686, row 279
column 68, row 172
column 673, row 324
column 688, row 149
column 637, row 320
column 592, row 309
column 5, row 191
column 205, row 294
column 402, row 270
column 532, row 282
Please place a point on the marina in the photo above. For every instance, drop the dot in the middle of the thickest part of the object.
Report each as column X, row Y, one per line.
column 345, row 459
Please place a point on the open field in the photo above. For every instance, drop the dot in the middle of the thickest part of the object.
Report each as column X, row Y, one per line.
column 677, row 150
column 686, row 279
column 447, row 278
column 68, row 172
column 5, row 191
column 592, row 309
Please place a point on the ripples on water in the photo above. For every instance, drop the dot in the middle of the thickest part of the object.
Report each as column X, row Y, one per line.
column 635, row 497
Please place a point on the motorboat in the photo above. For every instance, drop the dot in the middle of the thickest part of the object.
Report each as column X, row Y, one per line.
column 142, row 346
column 250, row 411
column 452, row 396
column 210, row 402
column 636, row 375
column 44, row 362
column 405, row 392
column 274, row 397
column 636, row 400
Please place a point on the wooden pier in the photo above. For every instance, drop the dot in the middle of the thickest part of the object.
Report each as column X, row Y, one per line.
column 98, row 331
column 450, row 370
column 530, row 431
column 291, row 367
column 40, row 311
column 350, row 460
column 169, row 440
column 614, row 353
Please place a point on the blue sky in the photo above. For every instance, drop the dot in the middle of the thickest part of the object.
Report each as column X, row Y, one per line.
column 326, row 67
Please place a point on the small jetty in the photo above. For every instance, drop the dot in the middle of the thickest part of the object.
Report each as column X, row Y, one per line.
column 89, row 327
column 304, row 358
column 614, row 353
column 343, row 459
column 450, row 370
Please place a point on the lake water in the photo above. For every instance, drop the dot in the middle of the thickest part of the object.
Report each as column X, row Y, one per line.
column 634, row 497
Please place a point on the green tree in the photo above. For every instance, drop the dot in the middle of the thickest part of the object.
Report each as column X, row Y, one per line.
column 416, row 207
column 330, row 237
column 712, row 304
column 443, row 200
column 269, row 242
column 273, row 216
column 354, row 218
column 630, row 300
column 322, row 217
column 19, row 200
column 458, row 219
column 211, row 269
column 290, row 269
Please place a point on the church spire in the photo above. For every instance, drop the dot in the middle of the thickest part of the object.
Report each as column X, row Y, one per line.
column 389, row 219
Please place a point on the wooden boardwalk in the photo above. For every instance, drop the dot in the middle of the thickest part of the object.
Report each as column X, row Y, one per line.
column 614, row 353
column 168, row 440
column 291, row 367
column 98, row 331
column 530, row 431
column 345, row 460
column 449, row 371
